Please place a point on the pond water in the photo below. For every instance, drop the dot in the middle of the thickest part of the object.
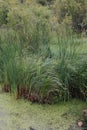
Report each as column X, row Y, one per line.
column 23, row 115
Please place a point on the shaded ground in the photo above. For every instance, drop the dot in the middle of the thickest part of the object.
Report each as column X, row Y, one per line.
column 21, row 115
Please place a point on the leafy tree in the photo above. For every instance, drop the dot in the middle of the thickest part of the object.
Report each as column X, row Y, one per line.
column 71, row 9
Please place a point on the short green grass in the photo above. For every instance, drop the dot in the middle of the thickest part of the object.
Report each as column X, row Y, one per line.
column 82, row 42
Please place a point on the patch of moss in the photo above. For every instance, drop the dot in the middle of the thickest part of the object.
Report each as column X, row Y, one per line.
column 21, row 114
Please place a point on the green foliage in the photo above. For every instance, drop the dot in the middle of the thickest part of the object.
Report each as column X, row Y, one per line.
column 61, row 77
column 71, row 12
column 27, row 62
column 3, row 15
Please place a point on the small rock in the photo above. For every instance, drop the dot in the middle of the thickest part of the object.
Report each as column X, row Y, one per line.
column 80, row 123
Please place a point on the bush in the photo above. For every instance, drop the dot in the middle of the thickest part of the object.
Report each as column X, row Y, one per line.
column 71, row 12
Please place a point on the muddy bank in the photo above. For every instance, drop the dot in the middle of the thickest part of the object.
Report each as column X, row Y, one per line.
column 23, row 115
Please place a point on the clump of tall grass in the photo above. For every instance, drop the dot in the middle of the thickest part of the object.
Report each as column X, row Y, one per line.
column 70, row 69
column 10, row 51
column 39, row 75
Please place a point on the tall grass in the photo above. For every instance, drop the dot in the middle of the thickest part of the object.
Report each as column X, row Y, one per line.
column 40, row 76
column 69, row 69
